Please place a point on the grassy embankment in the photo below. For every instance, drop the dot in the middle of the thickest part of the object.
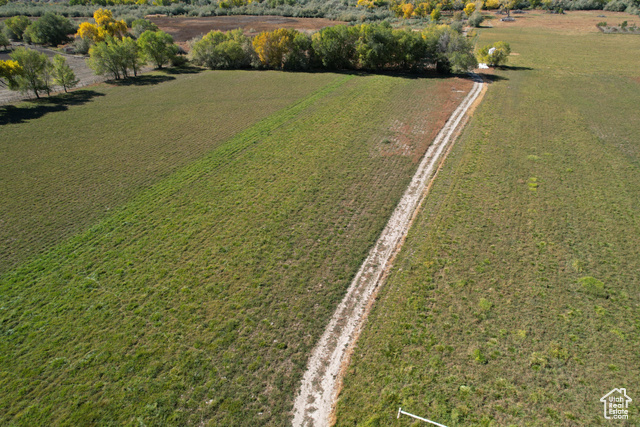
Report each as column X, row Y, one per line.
column 516, row 298
column 200, row 299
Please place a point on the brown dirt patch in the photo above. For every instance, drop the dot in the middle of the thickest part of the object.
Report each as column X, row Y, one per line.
column 582, row 21
column 183, row 28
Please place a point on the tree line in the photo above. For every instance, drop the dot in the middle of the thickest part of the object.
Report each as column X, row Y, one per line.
column 370, row 47
column 120, row 52
column 32, row 71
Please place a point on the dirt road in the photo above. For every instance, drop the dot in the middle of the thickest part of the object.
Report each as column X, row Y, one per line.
column 321, row 382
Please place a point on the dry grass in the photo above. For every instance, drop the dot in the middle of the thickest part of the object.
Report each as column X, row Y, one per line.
column 571, row 22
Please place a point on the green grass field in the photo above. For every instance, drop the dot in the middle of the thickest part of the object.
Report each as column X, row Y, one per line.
column 516, row 298
column 74, row 163
column 198, row 298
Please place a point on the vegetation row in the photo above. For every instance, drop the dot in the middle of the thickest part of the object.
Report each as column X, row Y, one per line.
column 348, row 10
column 118, row 53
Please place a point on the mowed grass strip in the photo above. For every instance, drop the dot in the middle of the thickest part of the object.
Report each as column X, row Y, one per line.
column 199, row 301
column 67, row 162
column 516, row 298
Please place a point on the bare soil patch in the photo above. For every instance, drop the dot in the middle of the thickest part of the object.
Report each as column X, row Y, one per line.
column 184, row 29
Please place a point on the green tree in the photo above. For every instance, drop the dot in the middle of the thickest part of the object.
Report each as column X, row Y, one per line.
column 32, row 75
column 16, row 25
column 495, row 54
column 436, row 14
column 157, row 46
column 411, row 52
column 50, row 29
column 452, row 52
column 139, row 26
column 476, row 19
column 375, row 46
column 336, row 47
column 300, row 55
column 131, row 55
column 62, row 73
column 223, row 50
column 4, row 40
column 106, row 58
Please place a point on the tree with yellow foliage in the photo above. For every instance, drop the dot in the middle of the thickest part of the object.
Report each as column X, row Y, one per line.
column 105, row 26
column 469, row 8
column 273, row 46
column 407, row 10
column 9, row 70
column 369, row 4
column 423, row 10
column 88, row 31
column 491, row 4
column 436, row 14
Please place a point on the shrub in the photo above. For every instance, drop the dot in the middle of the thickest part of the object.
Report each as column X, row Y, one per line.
column 593, row 287
column 50, row 29
column 139, row 26
column 220, row 50
column 617, row 6
column 300, row 56
column 452, row 52
column 4, row 40
column 476, row 19
column 457, row 26
column 81, row 46
column 436, row 14
column 495, row 54
column 15, row 27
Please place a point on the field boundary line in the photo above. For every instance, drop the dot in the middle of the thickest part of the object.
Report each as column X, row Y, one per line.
column 315, row 402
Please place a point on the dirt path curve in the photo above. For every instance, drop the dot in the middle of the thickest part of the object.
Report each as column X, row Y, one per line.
column 321, row 382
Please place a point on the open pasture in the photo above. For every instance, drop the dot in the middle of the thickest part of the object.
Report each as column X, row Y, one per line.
column 240, row 206
column 516, row 298
column 68, row 161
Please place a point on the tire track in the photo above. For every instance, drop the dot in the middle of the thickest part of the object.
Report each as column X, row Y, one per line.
column 316, row 398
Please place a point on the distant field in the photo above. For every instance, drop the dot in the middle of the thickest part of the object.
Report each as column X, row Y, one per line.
column 516, row 298
column 184, row 29
column 197, row 301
